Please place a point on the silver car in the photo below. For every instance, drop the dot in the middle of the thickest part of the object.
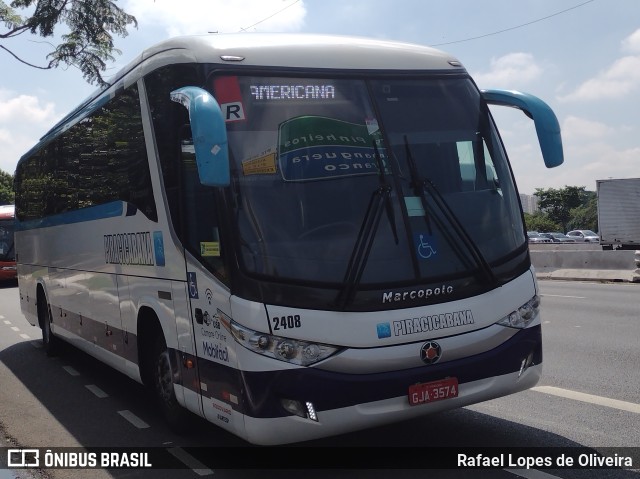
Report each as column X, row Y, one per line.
column 535, row 237
column 584, row 236
column 557, row 237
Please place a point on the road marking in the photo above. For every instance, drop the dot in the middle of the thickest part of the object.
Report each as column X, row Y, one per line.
column 590, row 398
column 7, row 322
column 563, row 296
column 16, row 329
column 531, row 474
column 71, row 371
column 25, row 336
column 133, row 419
column 190, row 461
column 97, row 391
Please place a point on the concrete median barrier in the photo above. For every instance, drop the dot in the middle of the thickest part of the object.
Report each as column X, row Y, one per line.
column 585, row 262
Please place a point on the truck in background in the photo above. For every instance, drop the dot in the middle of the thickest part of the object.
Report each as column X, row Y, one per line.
column 618, row 218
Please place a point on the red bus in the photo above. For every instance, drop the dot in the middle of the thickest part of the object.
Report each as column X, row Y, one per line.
column 7, row 250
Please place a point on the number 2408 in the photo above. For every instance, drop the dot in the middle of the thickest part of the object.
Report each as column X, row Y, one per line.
column 286, row 322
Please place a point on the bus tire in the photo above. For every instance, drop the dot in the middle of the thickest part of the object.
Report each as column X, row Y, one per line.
column 174, row 414
column 50, row 343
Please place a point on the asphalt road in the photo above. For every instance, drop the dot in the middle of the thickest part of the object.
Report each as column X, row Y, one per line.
column 589, row 396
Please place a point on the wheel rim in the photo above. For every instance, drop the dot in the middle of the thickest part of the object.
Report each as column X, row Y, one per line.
column 165, row 377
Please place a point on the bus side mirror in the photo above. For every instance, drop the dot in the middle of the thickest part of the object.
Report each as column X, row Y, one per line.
column 545, row 120
column 209, row 134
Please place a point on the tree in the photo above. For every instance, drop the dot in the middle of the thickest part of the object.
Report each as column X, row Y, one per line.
column 88, row 45
column 6, row 188
column 539, row 222
column 558, row 203
column 586, row 216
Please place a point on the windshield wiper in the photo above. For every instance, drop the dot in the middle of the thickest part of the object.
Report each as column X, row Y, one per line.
column 420, row 186
column 364, row 242
column 388, row 204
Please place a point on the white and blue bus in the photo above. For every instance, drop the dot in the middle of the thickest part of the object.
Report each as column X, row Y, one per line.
column 292, row 236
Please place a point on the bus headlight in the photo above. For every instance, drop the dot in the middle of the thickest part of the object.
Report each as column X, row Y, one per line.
column 303, row 353
column 523, row 316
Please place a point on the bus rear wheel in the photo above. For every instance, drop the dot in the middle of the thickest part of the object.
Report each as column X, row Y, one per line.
column 174, row 414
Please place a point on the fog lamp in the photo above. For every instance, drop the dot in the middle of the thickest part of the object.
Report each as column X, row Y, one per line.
column 294, row 407
column 306, row 410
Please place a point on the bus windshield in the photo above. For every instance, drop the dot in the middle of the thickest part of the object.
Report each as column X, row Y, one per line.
column 311, row 158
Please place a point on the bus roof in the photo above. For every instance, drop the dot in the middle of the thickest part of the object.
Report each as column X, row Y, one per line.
column 289, row 50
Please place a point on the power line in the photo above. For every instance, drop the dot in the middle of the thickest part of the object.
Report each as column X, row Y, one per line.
column 270, row 16
column 513, row 28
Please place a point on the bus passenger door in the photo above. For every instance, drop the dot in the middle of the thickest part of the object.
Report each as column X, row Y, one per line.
column 187, row 120
column 186, row 345
column 207, row 292
column 216, row 359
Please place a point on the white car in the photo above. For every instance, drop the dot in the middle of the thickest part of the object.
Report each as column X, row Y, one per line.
column 584, row 236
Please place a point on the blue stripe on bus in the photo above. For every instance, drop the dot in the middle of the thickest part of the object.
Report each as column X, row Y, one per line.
column 107, row 210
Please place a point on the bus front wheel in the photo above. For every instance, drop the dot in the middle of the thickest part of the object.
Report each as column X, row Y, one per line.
column 163, row 381
column 49, row 341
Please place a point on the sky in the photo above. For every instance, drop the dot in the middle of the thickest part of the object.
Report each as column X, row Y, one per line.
column 582, row 57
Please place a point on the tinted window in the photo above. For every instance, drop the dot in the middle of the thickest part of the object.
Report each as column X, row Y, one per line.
column 100, row 159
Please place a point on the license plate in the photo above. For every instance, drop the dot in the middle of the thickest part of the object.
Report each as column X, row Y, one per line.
column 433, row 391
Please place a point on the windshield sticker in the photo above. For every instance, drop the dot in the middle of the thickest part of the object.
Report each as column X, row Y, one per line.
column 414, row 206
column 229, row 98
column 260, row 165
column 318, row 148
column 372, row 125
column 209, row 248
column 425, row 245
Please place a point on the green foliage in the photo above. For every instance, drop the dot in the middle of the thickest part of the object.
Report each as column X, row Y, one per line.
column 586, row 216
column 557, row 204
column 564, row 209
column 540, row 222
column 88, row 45
column 6, row 188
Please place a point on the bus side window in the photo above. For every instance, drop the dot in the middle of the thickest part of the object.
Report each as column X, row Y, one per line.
column 201, row 233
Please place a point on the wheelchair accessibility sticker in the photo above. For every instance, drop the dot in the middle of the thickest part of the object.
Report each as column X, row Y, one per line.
column 425, row 246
